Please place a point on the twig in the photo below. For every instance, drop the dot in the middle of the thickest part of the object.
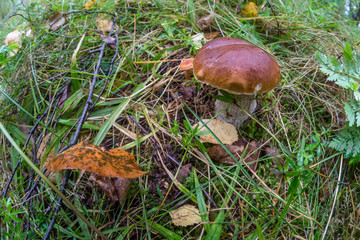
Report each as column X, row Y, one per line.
column 110, row 69
column 74, row 140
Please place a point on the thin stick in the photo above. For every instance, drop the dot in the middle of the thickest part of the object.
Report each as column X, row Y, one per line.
column 335, row 196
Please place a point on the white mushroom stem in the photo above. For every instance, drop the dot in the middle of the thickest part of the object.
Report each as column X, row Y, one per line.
column 235, row 114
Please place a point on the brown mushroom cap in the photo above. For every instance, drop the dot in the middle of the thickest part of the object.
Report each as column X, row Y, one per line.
column 236, row 66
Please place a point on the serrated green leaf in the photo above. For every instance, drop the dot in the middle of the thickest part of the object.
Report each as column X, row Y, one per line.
column 348, row 52
column 350, row 113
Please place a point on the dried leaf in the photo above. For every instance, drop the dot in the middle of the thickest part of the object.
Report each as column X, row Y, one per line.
column 185, row 215
column 184, row 172
column 211, row 35
column 272, row 152
column 14, row 38
column 42, row 148
column 187, row 91
column 105, row 25
column 250, row 10
column 111, row 41
column 93, row 159
column 116, row 190
column 205, row 22
column 225, row 132
column 63, row 98
column 218, row 153
column 56, row 21
column 89, row 4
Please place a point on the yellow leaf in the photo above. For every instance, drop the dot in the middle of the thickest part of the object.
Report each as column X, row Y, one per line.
column 89, row 4
column 225, row 132
column 185, row 215
column 250, row 10
column 105, row 25
column 14, row 38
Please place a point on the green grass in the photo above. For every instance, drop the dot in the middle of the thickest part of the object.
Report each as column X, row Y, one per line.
column 289, row 196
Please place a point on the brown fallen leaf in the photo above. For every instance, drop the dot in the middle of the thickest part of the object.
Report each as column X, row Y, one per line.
column 185, row 215
column 116, row 190
column 56, row 21
column 111, row 41
column 218, row 153
column 211, row 35
column 93, row 159
column 63, row 98
column 187, row 92
column 272, row 152
column 205, row 22
column 184, row 172
column 42, row 153
column 250, row 10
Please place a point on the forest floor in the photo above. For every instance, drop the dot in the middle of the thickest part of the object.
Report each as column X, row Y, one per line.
column 114, row 68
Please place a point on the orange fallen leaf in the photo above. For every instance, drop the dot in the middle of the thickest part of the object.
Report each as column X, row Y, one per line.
column 250, row 10
column 93, row 159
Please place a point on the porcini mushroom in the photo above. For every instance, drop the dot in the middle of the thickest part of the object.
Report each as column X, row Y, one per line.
column 237, row 67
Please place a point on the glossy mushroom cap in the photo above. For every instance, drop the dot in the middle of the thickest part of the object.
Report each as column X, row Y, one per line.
column 236, row 66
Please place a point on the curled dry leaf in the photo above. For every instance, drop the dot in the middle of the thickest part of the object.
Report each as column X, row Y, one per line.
column 184, row 172
column 187, row 91
column 56, row 21
column 225, row 132
column 272, row 152
column 205, row 22
column 93, row 159
column 185, row 215
column 14, row 38
column 111, row 41
column 116, row 190
column 211, row 35
column 89, row 4
column 218, row 153
column 105, row 25
column 250, row 10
